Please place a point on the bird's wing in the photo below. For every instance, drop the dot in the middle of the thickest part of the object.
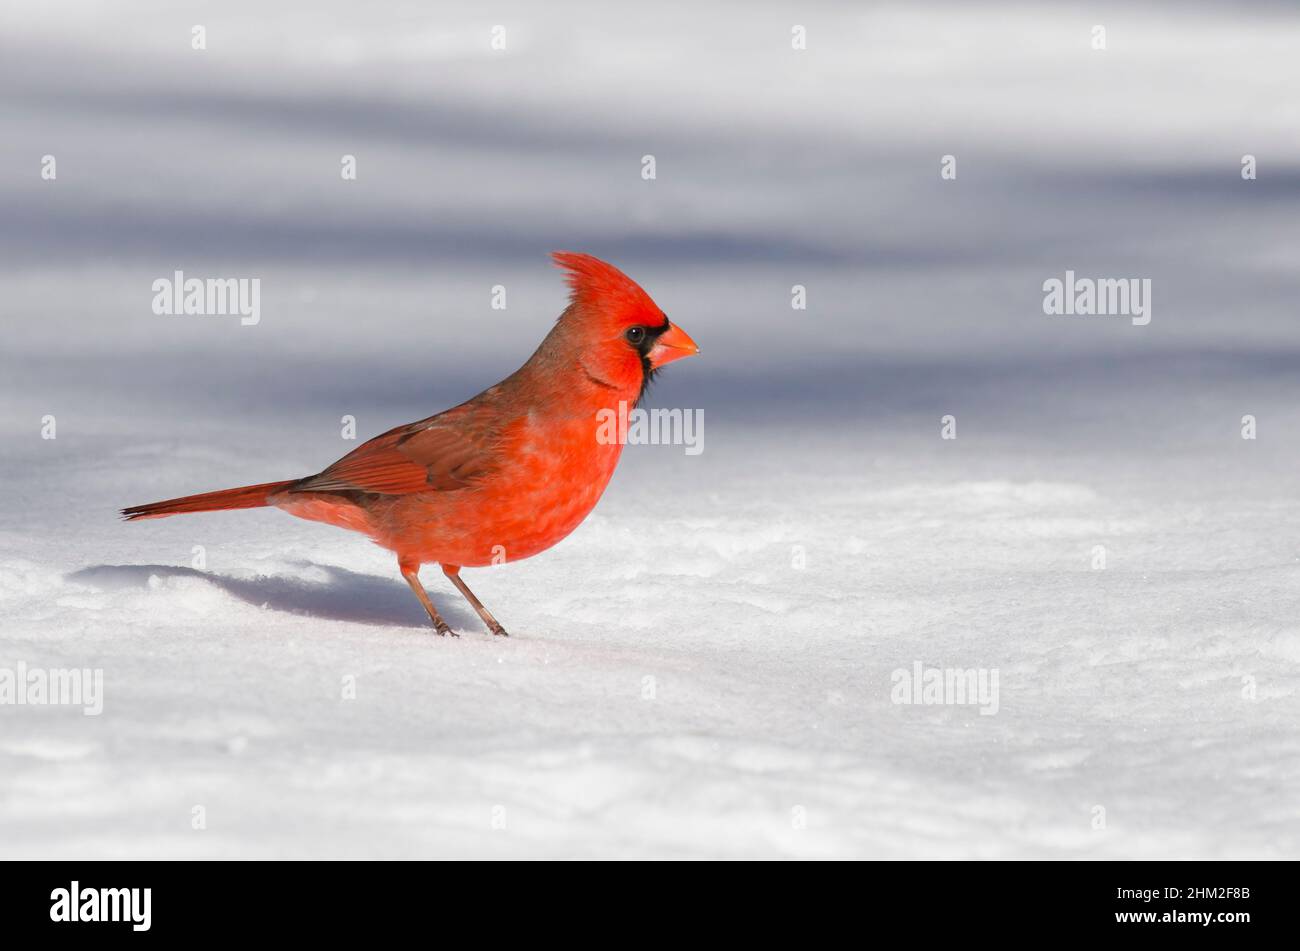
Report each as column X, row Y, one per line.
column 450, row 451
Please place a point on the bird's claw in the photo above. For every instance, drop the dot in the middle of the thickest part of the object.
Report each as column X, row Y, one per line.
column 498, row 631
column 442, row 629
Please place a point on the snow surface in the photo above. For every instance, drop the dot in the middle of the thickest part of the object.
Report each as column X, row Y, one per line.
column 1120, row 688
column 675, row 685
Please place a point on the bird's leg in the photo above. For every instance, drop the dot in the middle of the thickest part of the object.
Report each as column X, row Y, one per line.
column 493, row 625
column 412, row 575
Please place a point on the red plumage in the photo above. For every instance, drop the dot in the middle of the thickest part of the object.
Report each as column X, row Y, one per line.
column 504, row 475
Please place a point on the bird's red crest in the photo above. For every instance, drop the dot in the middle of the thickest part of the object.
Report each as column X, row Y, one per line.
column 596, row 283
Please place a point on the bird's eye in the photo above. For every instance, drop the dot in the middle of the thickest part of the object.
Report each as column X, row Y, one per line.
column 635, row 335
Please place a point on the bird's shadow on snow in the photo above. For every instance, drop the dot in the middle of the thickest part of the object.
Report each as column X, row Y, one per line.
column 342, row 596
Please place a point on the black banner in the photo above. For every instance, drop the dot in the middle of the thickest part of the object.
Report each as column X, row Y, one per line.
column 1177, row 901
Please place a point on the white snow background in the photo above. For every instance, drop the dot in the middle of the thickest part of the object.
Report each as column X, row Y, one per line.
column 674, row 684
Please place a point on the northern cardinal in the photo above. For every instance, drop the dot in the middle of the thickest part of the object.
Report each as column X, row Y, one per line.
column 504, row 475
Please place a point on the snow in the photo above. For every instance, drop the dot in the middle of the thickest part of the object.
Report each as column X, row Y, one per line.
column 706, row 666
column 771, row 685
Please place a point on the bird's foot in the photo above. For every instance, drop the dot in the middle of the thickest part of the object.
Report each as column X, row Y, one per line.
column 442, row 628
column 497, row 630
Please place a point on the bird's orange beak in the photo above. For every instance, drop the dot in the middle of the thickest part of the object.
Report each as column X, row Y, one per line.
column 673, row 344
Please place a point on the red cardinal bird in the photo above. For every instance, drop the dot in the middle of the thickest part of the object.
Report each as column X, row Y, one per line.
column 504, row 475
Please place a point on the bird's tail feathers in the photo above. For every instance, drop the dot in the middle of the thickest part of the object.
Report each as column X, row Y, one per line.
column 244, row 497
